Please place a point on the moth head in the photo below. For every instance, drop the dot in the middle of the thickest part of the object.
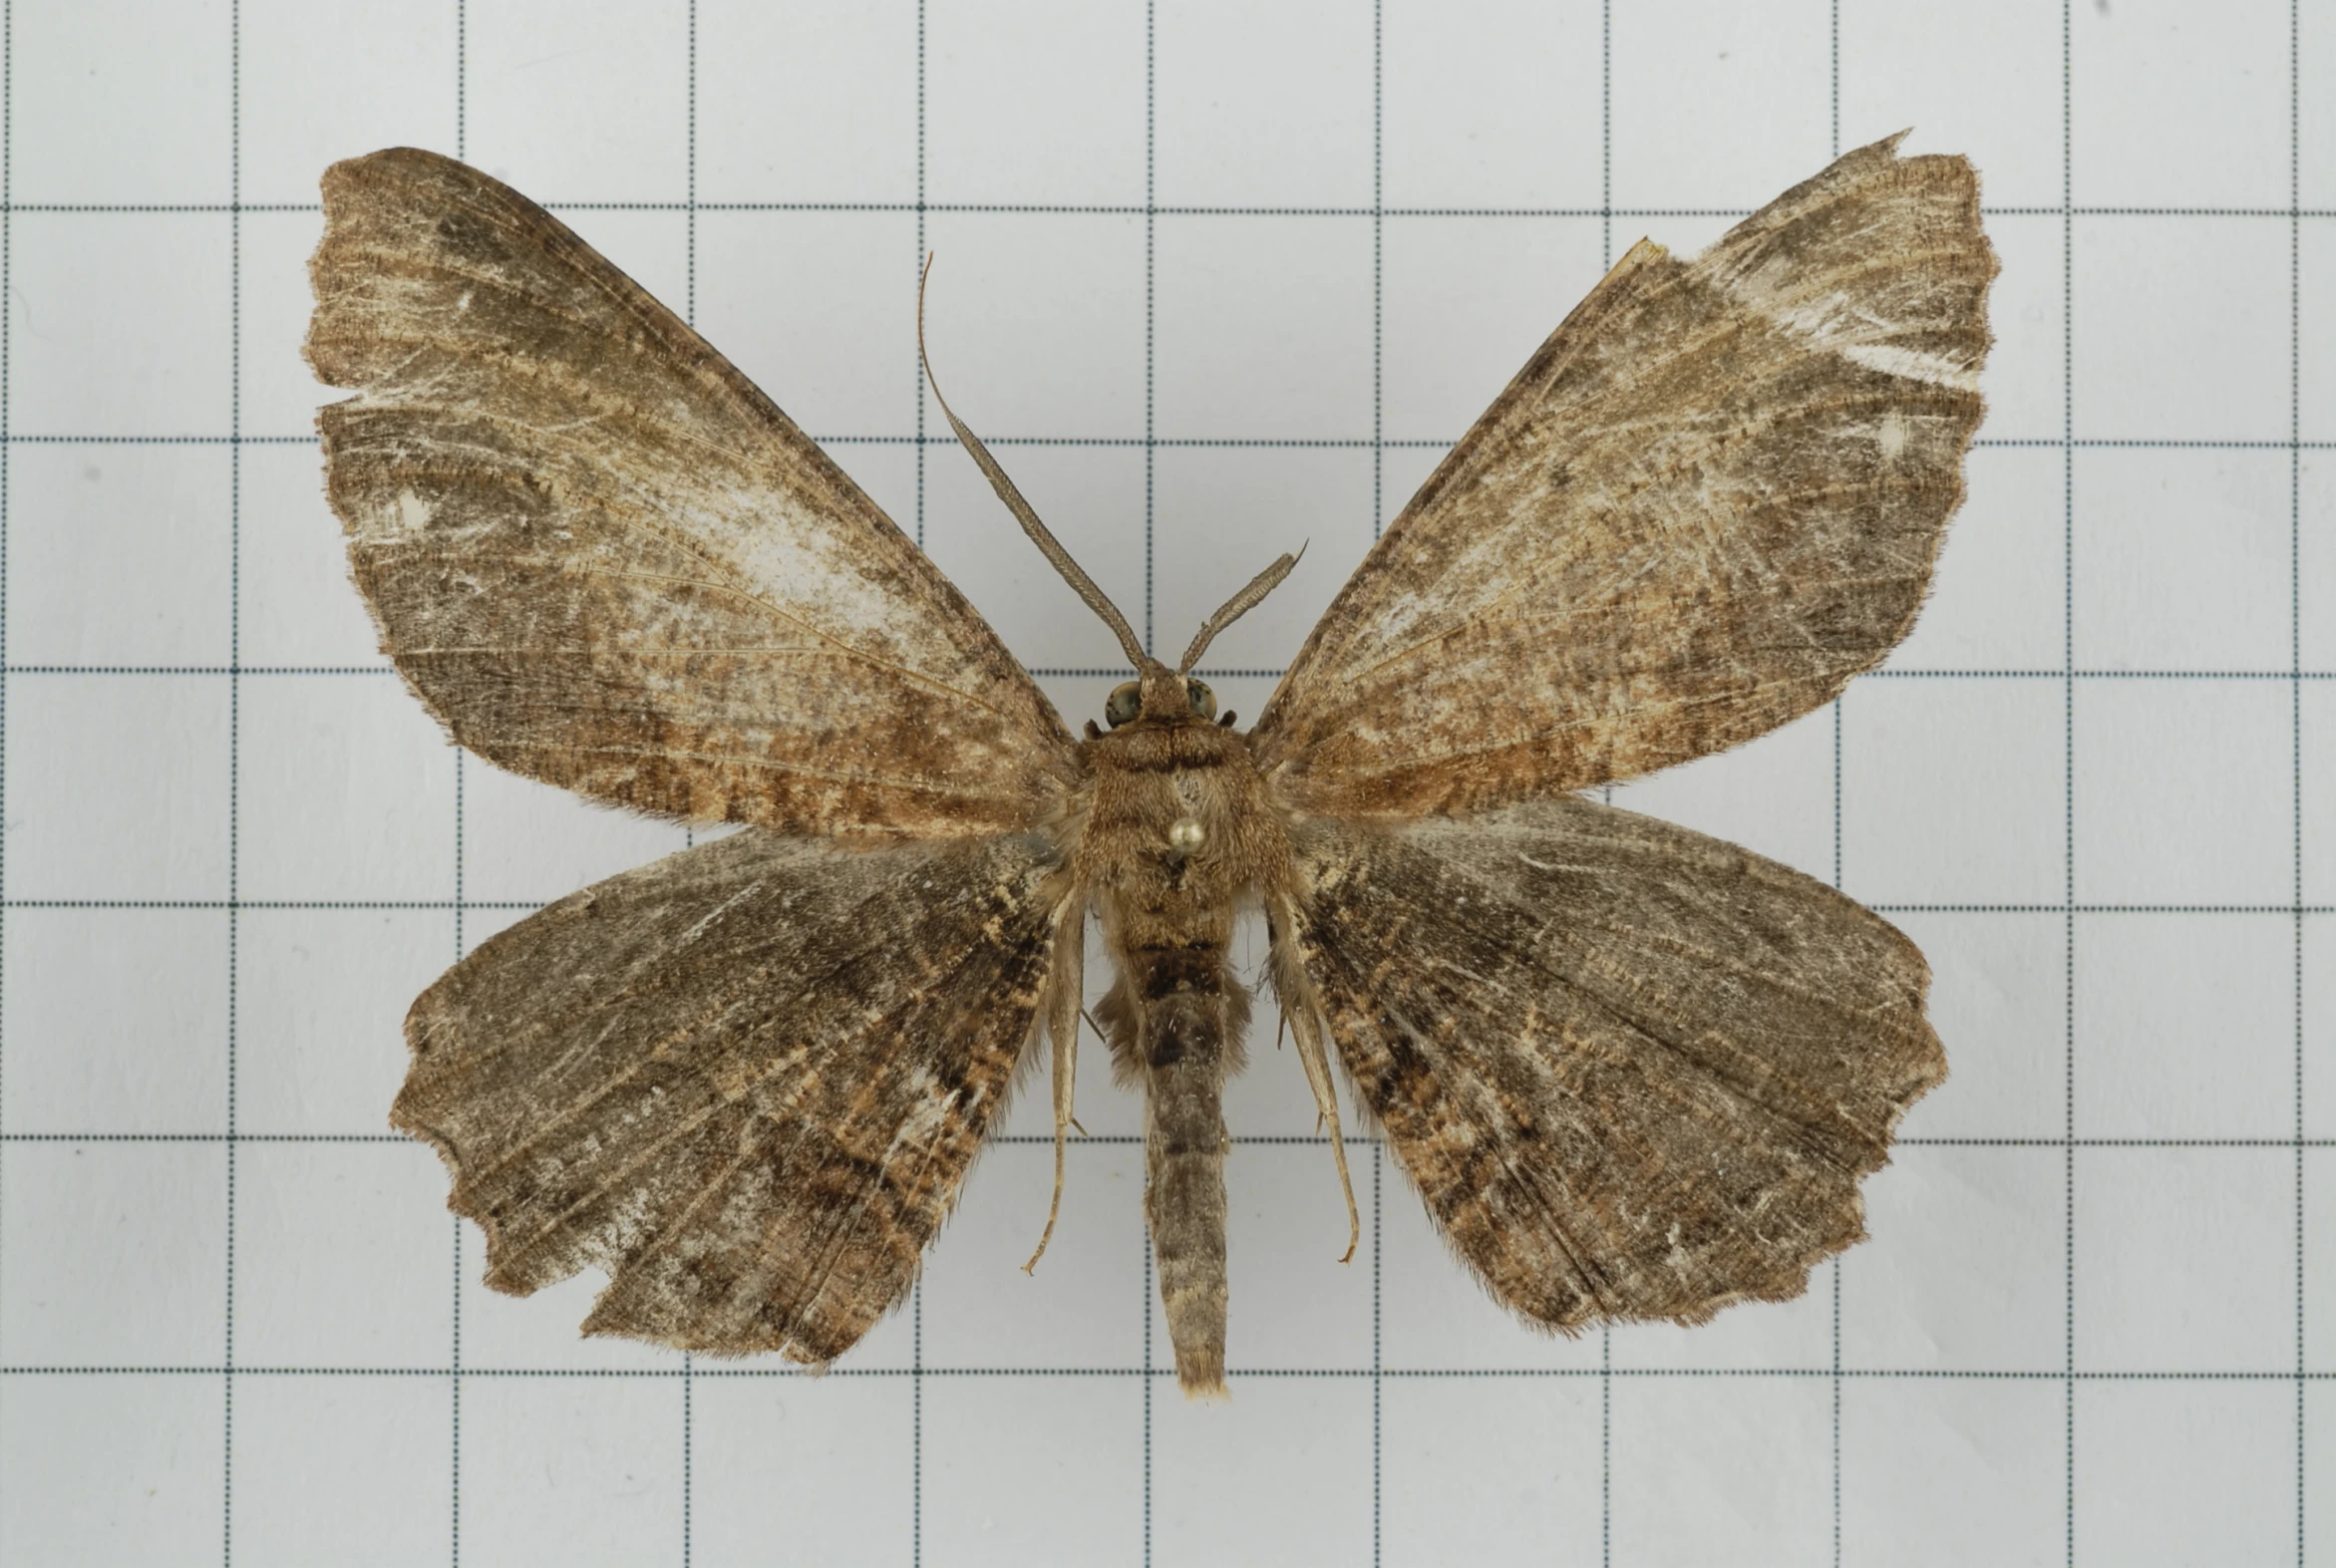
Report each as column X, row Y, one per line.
column 1126, row 700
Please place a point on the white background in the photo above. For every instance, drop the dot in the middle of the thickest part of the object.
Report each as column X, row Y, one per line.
column 1214, row 279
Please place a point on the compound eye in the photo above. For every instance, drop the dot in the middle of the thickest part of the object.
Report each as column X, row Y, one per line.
column 1125, row 701
column 1204, row 700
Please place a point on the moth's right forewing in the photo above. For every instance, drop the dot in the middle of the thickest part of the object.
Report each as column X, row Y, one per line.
column 1709, row 499
column 746, row 1080
column 1635, row 1072
column 605, row 560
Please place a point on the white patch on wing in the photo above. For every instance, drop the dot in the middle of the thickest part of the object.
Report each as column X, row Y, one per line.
column 1835, row 322
column 412, row 513
column 1892, row 434
column 1913, row 364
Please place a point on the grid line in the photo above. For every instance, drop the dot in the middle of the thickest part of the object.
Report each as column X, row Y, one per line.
column 2068, row 587
column 454, row 1249
column 234, row 742
column 1108, row 210
column 2295, row 694
column 916, row 1290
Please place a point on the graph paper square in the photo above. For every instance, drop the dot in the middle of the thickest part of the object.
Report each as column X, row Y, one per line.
column 1491, row 105
column 851, row 271
column 769, row 1456
column 2186, row 1259
column 1435, row 1317
column 120, row 787
column 2318, row 1192
column 1969, row 1469
column 1997, row 978
column 1272, row 500
column 319, row 996
column 2194, row 1468
column 2192, row 108
column 1982, row 1299
column 2316, row 752
column 1263, row 323
column 1021, row 299
column 1258, row 1491
column 2186, row 559
column 1463, row 291
column 1098, row 491
column 124, row 327
column 1762, row 1336
column 1726, row 1473
column 1999, row 600
column 117, row 1254
column 1951, row 792
column 294, row 606
column 1216, row 282
column 2191, row 772
column 838, row 74
column 125, row 1470
column 276, row 394
column 125, row 100
column 527, row 843
column 1079, row 1308
column 1768, row 796
column 2186, row 1026
column 1035, row 103
column 355, row 739
column 1263, row 106
column 2188, row 330
column 1981, row 76
column 1073, row 1443
column 375, row 1445
column 2315, row 310
column 116, row 1018
column 580, row 104
column 1463, row 1458
column 2027, row 310
column 1717, row 105
column 131, row 556
column 338, row 1254
column 293, row 123
column 2316, row 1025
column 571, row 1470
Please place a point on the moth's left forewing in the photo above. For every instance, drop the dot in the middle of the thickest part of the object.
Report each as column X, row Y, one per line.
column 1636, row 1073
column 1710, row 499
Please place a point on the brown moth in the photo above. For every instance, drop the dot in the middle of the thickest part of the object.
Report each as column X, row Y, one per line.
column 1635, row 1072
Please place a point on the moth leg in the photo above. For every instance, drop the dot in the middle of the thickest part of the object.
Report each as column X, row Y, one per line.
column 1304, row 1014
column 1066, row 982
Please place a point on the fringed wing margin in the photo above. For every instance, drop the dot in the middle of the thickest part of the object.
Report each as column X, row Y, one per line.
column 746, row 1081
column 1709, row 499
column 605, row 560
column 1634, row 1072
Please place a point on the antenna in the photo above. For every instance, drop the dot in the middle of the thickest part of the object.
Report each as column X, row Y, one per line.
column 1047, row 543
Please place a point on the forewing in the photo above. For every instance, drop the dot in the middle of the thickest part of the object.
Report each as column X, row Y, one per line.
column 1712, row 496
column 1636, row 1073
column 744, row 1081
column 605, row 560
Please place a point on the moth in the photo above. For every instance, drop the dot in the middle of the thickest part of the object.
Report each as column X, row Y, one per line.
column 1635, row 1072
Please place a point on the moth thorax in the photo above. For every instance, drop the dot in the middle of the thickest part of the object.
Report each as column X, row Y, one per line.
column 1186, row 834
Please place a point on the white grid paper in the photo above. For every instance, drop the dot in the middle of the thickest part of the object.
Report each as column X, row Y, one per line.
column 1220, row 278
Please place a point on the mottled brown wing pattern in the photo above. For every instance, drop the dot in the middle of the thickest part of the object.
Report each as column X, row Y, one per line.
column 1636, row 1073
column 1712, row 496
column 746, row 1080
column 605, row 560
